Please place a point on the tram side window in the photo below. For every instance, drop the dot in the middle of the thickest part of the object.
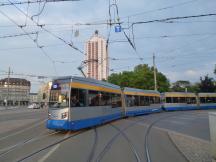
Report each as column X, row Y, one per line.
column 175, row 100
column 142, row 101
column 168, row 100
column 78, row 97
column 157, row 100
column 210, row 99
column 202, row 100
column 191, row 100
column 105, row 99
column 151, row 100
column 182, row 100
column 130, row 100
column 136, row 101
column 116, row 100
column 93, row 98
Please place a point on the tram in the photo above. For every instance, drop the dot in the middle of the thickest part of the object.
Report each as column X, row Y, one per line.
column 172, row 101
column 77, row 103
column 207, row 100
column 140, row 102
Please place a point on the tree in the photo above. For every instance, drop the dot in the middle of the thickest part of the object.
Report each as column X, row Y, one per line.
column 181, row 86
column 141, row 77
column 207, row 84
column 215, row 70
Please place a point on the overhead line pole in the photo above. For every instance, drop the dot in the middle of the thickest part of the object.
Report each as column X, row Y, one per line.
column 155, row 75
column 8, row 84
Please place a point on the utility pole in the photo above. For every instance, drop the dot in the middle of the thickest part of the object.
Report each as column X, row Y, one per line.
column 155, row 76
column 8, row 84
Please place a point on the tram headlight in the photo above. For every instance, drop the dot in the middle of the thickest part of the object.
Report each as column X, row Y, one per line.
column 64, row 115
column 49, row 116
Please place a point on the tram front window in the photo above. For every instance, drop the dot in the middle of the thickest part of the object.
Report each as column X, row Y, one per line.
column 59, row 98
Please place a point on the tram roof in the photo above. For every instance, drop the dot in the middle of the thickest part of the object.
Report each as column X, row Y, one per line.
column 140, row 92
column 179, row 94
column 94, row 82
column 207, row 94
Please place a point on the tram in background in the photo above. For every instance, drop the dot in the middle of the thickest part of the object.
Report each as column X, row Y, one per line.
column 139, row 102
column 207, row 100
column 172, row 101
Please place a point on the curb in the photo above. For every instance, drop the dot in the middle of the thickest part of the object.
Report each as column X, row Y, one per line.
column 168, row 133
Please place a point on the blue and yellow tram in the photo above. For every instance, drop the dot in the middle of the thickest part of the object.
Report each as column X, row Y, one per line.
column 77, row 103
column 207, row 100
column 139, row 102
column 172, row 101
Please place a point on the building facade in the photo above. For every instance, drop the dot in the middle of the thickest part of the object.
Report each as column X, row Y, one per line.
column 33, row 98
column 14, row 92
column 97, row 58
column 44, row 93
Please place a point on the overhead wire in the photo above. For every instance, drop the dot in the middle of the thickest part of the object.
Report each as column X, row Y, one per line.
column 42, row 27
column 162, row 8
column 169, row 20
column 34, row 1
column 36, row 43
column 17, row 35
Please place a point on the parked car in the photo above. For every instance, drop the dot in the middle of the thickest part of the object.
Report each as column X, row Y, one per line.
column 34, row 106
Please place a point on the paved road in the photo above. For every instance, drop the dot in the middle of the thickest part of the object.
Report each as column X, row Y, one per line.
column 23, row 137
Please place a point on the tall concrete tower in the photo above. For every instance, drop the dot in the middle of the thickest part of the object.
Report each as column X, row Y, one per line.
column 97, row 57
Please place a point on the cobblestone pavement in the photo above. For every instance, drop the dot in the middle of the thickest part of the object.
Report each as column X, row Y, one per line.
column 194, row 149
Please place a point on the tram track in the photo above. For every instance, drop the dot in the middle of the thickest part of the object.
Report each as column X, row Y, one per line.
column 49, row 146
column 24, row 130
column 150, row 126
column 132, row 147
column 20, row 144
column 111, row 141
column 92, row 152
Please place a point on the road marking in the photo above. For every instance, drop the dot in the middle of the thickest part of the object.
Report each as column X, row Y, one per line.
column 175, row 122
column 49, row 153
column 52, row 150
column 23, row 130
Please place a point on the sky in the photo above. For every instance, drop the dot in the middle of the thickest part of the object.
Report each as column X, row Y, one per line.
column 184, row 49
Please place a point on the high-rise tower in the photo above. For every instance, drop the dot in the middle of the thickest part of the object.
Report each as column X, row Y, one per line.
column 97, row 57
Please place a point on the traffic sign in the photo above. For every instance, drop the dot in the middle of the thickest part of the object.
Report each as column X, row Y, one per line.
column 118, row 29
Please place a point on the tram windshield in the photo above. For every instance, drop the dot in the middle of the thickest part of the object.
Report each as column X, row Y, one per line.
column 59, row 96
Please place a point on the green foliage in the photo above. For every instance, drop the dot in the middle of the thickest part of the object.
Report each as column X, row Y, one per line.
column 141, row 77
column 215, row 70
column 183, row 85
column 207, row 84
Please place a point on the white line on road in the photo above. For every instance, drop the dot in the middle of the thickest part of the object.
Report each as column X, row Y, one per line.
column 52, row 150
column 23, row 130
